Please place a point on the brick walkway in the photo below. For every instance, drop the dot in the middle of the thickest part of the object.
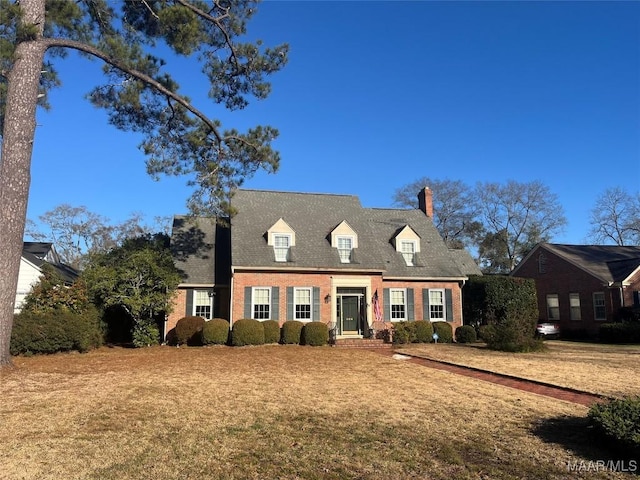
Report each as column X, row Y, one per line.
column 532, row 386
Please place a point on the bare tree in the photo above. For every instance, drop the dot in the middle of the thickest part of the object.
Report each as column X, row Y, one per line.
column 615, row 218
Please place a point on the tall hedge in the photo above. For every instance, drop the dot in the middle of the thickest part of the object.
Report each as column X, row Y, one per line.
column 508, row 305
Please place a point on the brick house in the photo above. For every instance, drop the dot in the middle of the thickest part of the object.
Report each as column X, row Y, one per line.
column 318, row 257
column 582, row 286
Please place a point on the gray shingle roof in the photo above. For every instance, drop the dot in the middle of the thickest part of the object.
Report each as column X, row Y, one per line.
column 313, row 217
column 465, row 261
column 39, row 253
column 609, row 263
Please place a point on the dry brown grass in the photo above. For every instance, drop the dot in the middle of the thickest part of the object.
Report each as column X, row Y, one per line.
column 283, row 412
column 611, row 370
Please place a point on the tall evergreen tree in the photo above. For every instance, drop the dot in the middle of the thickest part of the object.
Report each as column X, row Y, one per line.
column 138, row 95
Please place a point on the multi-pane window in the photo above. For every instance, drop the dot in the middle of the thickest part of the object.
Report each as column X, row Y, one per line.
column 408, row 250
column 281, row 244
column 398, row 308
column 436, row 305
column 599, row 309
column 574, row 304
column 302, row 303
column 345, row 245
column 261, row 303
column 202, row 304
column 553, row 307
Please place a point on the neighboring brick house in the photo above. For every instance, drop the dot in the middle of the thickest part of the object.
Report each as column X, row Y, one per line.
column 34, row 256
column 582, row 286
column 318, row 257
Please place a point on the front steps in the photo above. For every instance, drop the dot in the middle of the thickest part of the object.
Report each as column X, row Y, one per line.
column 361, row 343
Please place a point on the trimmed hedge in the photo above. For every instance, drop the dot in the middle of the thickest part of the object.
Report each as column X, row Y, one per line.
column 622, row 332
column 466, row 334
column 271, row 331
column 215, row 332
column 291, row 332
column 189, row 330
column 509, row 306
column 618, row 422
column 444, row 331
column 424, row 331
column 404, row 332
column 57, row 331
column 315, row 334
column 247, row 331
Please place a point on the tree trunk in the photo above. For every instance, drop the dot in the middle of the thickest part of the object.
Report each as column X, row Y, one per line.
column 15, row 163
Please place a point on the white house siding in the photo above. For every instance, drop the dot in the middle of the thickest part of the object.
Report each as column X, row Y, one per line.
column 27, row 278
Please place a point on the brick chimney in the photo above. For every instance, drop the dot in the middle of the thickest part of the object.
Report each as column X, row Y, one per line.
column 425, row 201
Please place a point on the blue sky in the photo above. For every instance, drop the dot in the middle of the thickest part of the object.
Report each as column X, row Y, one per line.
column 378, row 94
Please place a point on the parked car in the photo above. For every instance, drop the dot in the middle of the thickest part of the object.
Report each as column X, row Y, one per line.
column 548, row 329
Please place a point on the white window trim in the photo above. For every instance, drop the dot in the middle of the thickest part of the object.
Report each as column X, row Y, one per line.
column 253, row 303
column 391, row 304
column 444, row 305
column 295, row 304
column 289, row 238
column 578, row 306
column 414, row 244
column 195, row 304
column 351, row 239
column 595, row 307
column 553, row 296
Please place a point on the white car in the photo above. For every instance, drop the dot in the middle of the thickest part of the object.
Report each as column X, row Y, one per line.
column 548, row 329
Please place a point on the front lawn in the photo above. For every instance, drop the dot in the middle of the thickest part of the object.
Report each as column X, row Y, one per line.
column 611, row 370
column 277, row 412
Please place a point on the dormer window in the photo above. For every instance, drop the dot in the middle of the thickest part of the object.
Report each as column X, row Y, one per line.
column 281, row 244
column 407, row 243
column 408, row 250
column 281, row 237
column 345, row 246
column 345, row 240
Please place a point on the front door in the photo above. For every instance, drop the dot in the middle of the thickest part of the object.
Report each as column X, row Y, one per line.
column 349, row 314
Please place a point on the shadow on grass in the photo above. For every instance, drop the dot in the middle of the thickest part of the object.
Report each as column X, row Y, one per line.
column 576, row 435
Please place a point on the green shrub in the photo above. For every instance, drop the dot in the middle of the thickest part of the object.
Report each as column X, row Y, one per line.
column 271, row 331
column 146, row 333
column 618, row 422
column 404, row 332
column 189, row 330
column 444, row 331
column 466, row 334
column 291, row 332
column 509, row 305
column 247, row 331
column 424, row 331
column 315, row 334
column 56, row 331
column 621, row 332
column 215, row 332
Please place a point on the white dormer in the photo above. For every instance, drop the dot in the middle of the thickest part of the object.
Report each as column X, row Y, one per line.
column 407, row 242
column 345, row 239
column 281, row 237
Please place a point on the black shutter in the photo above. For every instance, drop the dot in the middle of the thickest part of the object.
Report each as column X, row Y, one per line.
column 247, row 303
column 289, row 303
column 410, row 305
column 426, row 311
column 316, row 304
column 275, row 303
column 448, row 300
column 189, row 304
column 386, row 300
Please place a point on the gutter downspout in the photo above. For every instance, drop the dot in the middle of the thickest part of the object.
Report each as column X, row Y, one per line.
column 231, row 296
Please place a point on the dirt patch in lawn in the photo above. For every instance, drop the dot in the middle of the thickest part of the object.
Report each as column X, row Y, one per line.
column 283, row 412
column 610, row 370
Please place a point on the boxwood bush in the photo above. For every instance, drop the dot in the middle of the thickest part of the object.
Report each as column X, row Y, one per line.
column 56, row 331
column 444, row 331
column 315, row 334
column 271, row 331
column 215, row 332
column 291, row 332
column 617, row 422
column 424, row 331
column 188, row 330
column 466, row 334
column 247, row 331
column 404, row 332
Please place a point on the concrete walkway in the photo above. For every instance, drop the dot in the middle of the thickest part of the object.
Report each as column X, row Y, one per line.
column 532, row 386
